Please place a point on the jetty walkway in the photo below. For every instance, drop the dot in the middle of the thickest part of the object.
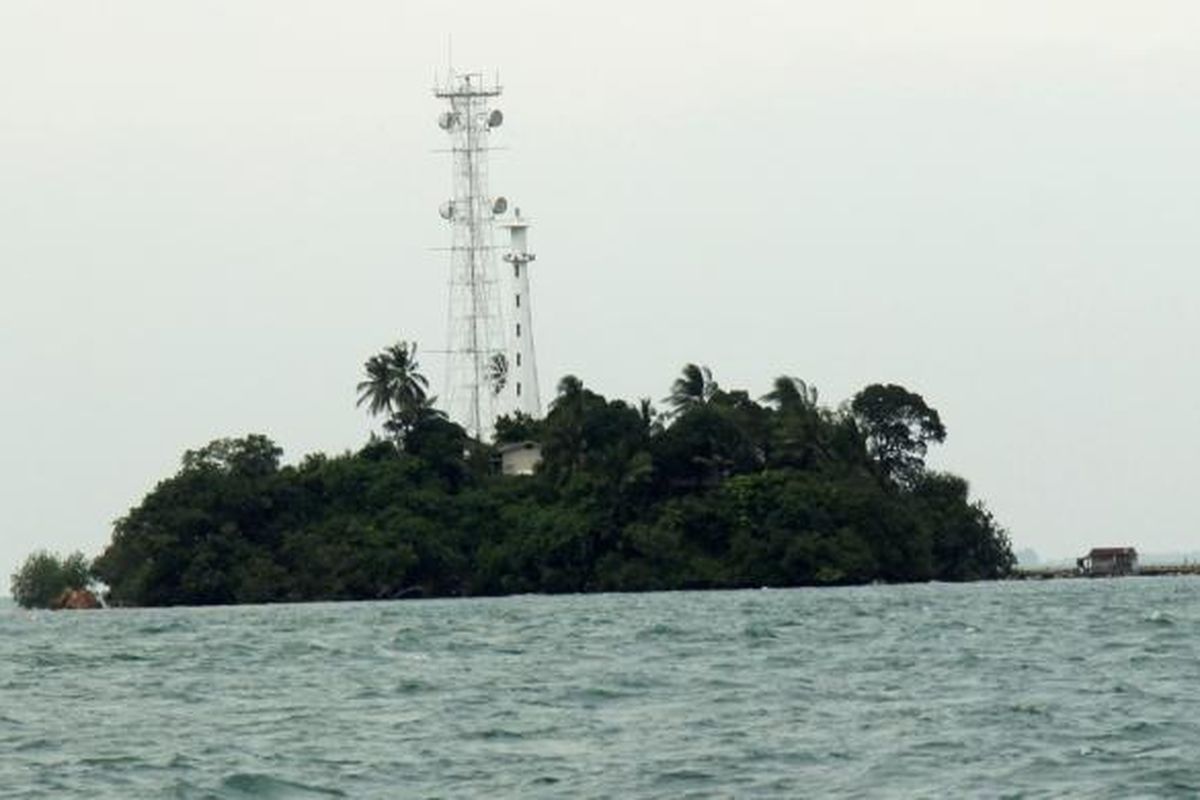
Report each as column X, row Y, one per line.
column 1146, row 570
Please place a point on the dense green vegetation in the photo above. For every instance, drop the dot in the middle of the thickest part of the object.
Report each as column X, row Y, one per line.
column 719, row 491
column 44, row 577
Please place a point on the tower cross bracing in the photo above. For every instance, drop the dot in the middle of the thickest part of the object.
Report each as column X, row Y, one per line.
column 476, row 364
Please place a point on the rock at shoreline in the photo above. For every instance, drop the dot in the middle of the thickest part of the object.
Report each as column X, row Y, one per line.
column 75, row 600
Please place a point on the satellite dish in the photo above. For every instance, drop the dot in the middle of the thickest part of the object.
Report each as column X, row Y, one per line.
column 499, row 205
column 448, row 120
column 495, row 119
column 446, row 210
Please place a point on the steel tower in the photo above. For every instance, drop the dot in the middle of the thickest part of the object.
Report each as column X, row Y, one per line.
column 476, row 363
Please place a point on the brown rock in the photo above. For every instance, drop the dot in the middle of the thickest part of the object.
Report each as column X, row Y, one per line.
column 76, row 599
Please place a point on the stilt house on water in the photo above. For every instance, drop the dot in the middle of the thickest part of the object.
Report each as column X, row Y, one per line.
column 1108, row 561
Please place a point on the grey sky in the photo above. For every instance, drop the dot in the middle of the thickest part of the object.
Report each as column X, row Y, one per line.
column 212, row 212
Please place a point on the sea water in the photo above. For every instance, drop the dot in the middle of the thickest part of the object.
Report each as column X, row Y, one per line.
column 1054, row 689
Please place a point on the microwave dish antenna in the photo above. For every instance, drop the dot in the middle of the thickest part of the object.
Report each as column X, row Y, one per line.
column 476, row 316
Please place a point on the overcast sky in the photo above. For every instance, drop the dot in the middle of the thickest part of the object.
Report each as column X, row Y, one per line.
column 212, row 212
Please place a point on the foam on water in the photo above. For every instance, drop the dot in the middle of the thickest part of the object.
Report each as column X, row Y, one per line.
column 1061, row 688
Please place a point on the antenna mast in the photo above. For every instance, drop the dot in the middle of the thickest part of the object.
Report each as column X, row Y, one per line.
column 476, row 364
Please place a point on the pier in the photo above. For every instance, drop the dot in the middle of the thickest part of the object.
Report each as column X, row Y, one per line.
column 1145, row 570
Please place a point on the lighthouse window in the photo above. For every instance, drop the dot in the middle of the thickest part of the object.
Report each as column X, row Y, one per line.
column 518, row 301
column 518, row 329
column 518, row 388
column 516, row 270
column 518, row 359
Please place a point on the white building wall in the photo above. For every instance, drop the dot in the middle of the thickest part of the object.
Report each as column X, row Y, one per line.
column 520, row 459
column 523, row 378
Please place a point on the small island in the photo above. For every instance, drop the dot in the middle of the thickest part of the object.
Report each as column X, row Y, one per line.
column 717, row 491
column 46, row 580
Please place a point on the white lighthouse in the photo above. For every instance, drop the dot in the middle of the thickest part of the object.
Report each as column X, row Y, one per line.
column 522, row 377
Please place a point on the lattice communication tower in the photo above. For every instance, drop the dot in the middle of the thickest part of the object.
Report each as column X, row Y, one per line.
column 476, row 363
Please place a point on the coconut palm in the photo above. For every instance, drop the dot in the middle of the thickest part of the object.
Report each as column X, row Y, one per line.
column 497, row 373
column 694, row 387
column 393, row 380
column 650, row 417
column 376, row 390
column 395, row 386
column 564, row 444
column 570, row 394
column 789, row 393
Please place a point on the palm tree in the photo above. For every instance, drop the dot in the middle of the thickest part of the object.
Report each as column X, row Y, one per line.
column 497, row 373
column 801, row 429
column 570, row 394
column 789, row 393
column 694, row 387
column 649, row 415
column 396, row 387
column 564, row 445
column 407, row 420
column 376, row 390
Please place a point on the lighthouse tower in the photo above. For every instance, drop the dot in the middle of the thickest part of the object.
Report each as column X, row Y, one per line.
column 522, row 371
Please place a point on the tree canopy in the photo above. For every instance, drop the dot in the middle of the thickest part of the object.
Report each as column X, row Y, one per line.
column 395, row 387
column 899, row 427
column 722, row 492
column 44, row 576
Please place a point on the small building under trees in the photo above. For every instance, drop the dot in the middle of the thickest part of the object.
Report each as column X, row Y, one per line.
column 1106, row 561
column 519, row 458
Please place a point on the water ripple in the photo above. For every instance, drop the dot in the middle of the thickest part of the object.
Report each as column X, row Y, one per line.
column 1054, row 689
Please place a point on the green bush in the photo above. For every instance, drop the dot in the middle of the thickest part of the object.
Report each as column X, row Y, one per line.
column 719, row 492
column 45, row 576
